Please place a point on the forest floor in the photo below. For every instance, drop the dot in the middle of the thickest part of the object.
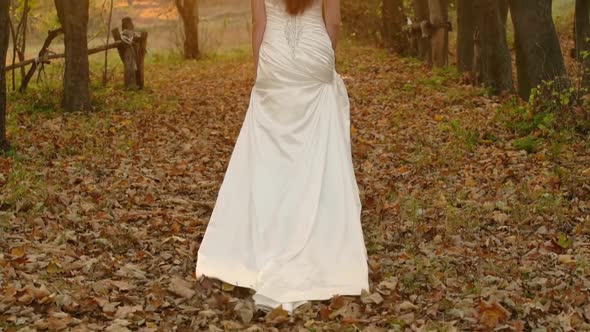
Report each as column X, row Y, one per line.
column 469, row 223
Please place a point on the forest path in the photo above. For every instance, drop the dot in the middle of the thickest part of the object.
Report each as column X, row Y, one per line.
column 101, row 225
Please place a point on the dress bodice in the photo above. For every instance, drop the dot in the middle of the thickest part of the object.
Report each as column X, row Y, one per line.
column 296, row 48
column 294, row 26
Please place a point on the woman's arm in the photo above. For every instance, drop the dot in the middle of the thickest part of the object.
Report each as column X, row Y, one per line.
column 258, row 27
column 333, row 20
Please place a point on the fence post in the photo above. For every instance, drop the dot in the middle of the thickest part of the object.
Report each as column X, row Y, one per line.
column 132, row 53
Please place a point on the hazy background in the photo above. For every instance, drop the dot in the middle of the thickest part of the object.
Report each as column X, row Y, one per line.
column 225, row 24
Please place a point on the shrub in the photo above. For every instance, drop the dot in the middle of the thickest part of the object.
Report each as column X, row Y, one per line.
column 555, row 105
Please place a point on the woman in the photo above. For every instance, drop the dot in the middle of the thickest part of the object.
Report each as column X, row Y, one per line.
column 287, row 218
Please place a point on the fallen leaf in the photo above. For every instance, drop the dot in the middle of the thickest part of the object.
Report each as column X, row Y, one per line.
column 207, row 313
column 338, row 302
column 58, row 324
column 325, row 312
column 277, row 316
column 227, row 287
column 375, row 298
column 122, row 285
column 246, row 314
column 17, row 252
column 492, row 314
column 567, row 259
column 230, row 325
column 124, row 311
column 406, row 306
column 182, row 288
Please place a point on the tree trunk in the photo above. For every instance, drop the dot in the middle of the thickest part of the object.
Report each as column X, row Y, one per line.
column 582, row 38
column 73, row 16
column 439, row 41
column 189, row 13
column 4, row 37
column 538, row 53
column 465, row 34
column 23, row 46
column 422, row 15
column 495, row 61
column 393, row 22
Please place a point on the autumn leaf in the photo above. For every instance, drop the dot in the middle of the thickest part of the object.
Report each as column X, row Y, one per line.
column 407, row 306
column 277, row 316
column 563, row 241
column 492, row 314
column 124, row 311
column 58, row 324
column 182, row 288
column 375, row 298
column 122, row 285
column 229, row 325
column 567, row 259
column 338, row 302
column 227, row 287
column 325, row 312
column 17, row 252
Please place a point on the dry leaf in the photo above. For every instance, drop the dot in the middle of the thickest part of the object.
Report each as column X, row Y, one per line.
column 492, row 314
column 567, row 259
column 338, row 302
column 124, row 311
column 182, row 288
column 277, row 316
column 406, row 306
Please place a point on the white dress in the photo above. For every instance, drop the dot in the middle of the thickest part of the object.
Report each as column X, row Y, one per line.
column 286, row 222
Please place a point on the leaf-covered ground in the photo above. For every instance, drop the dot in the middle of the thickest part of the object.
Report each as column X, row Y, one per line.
column 101, row 213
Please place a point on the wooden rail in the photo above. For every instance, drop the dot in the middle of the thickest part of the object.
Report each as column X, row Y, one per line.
column 48, row 56
column 132, row 47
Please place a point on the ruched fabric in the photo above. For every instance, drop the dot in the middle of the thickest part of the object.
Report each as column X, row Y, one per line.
column 286, row 222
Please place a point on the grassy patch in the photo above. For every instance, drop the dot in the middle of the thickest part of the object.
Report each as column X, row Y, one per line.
column 24, row 189
column 528, row 143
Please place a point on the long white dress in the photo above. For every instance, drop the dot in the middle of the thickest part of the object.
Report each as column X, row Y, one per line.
column 286, row 222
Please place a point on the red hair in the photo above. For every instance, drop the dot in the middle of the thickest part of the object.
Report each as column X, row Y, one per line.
column 296, row 7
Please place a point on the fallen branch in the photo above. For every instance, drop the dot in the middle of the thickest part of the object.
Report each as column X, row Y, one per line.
column 52, row 34
column 48, row 57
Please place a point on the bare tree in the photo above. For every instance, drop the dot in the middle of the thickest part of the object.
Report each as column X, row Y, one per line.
column 582, row 37
column 19, row 38
column 465, row 34
column 493, row 61
column 538, row 52
column 73, row 16
column 439, row 41
column 105, row 78
column 4, row 36
column 189, row 13
column 393, row 22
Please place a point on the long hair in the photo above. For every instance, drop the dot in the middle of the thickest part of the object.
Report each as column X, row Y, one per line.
column 296, row 7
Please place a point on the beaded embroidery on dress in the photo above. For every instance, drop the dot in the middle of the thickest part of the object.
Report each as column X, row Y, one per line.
column 293, row 32
column 286, row 221
column 293, row 27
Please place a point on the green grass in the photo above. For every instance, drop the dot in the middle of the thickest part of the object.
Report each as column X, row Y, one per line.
column 528, row 143
column 23, row 190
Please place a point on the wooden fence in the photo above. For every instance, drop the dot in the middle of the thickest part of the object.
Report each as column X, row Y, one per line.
column 131, row 44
